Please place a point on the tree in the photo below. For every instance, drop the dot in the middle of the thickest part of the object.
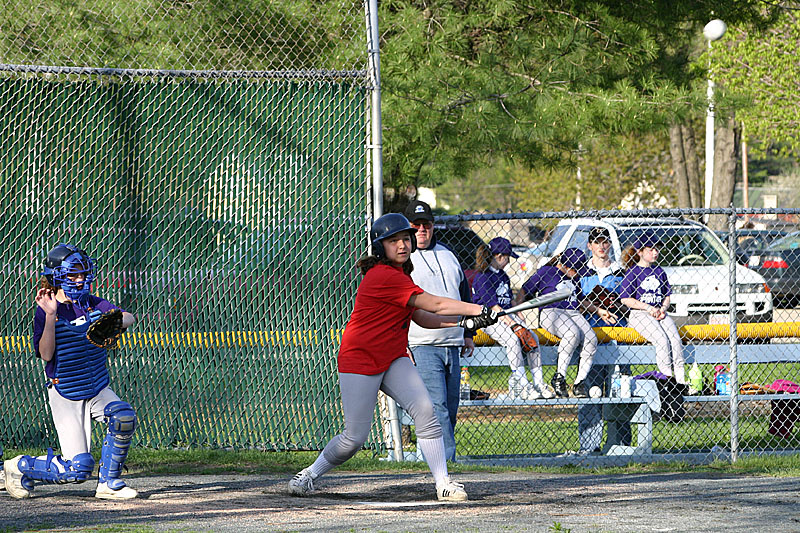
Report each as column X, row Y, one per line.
column 758, row 73
column 467, row 82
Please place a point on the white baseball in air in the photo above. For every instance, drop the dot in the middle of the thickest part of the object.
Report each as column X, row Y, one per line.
column 715, row 30
column 595, row 392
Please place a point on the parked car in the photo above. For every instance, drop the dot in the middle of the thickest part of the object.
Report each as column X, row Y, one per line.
column 779, row 263
column 520, row 268
column 462, row 241
column 695, row 260
column 749, row 240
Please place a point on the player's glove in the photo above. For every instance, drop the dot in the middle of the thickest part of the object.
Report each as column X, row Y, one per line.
column 526, row 338
column 106, row 330
column 487, row 317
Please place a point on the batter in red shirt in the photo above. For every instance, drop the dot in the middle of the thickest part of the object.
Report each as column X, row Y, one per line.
column 374, row 356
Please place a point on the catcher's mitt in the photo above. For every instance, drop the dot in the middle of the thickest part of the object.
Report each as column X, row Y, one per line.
column 526, row 338
column 106, row 330
column 606, row 299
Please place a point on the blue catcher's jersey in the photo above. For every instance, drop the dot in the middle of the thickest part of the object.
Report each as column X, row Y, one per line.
column 80, row 369
column 611, row 282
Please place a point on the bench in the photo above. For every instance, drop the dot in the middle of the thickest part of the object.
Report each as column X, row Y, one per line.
column 619, row 412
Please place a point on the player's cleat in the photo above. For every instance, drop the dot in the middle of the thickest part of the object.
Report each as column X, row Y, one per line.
column 104, row 492
column 522, row 390
column 302, row 483
column 559, row 385
column 544, row 391
column 579, row 390
column 17, row 485
column 451, row 492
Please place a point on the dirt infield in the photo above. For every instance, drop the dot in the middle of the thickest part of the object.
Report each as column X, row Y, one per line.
column 508, row 502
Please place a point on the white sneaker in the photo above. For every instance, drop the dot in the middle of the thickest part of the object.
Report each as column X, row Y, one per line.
column 451, row 492
column 302, row 483
column 519, row 388
column 544, row 391
column 529, row 392
column 2, row 478
column 13, row 479
column 104, row 492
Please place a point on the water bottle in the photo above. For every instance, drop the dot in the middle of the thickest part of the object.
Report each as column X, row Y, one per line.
column 696, row 378
column 616, row 383
column 465, row 387
column 723, row 383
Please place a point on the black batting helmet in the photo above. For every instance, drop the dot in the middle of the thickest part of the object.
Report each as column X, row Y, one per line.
column 386, row 226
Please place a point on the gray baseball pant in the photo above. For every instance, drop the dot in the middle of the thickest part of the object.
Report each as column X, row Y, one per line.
column 664, row 336
column 359, row 397
column 574, row 329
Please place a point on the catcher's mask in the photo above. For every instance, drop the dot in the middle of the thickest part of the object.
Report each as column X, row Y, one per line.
column 67, row 260
column 386, row 226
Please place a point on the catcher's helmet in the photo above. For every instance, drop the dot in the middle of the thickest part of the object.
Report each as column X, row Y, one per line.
column 386, row 226
column 68, row 260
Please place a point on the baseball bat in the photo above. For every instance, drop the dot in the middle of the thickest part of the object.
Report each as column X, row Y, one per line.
column 550, row 297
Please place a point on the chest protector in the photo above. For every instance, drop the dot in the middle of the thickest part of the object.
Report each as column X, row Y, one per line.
column 80, row 371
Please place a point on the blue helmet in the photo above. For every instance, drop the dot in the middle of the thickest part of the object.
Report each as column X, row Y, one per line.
column 386, row 226
column 68, row 260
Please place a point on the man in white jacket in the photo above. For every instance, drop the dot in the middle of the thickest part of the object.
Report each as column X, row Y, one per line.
column 437, row 352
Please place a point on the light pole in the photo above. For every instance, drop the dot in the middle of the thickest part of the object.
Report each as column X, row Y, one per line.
column 712, row 31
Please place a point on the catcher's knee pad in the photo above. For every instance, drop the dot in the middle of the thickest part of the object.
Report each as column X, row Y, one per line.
column 52, row 468
column 121, row 424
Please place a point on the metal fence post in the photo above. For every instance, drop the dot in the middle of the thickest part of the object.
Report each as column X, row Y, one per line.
column 376, row 154
column 733, row 334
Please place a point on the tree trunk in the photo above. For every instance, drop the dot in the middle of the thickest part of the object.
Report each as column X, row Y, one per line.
column 679, row 165
column 724, row 171
column 692, row 165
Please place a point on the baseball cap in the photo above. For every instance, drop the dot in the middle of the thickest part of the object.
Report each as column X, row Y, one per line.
column 645, row 239
column 599, row 233
column 573, row 258
column 417, row 210
column 500, row 245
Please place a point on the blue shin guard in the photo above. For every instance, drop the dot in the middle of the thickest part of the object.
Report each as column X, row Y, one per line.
column 121, row 424
column 53, row 468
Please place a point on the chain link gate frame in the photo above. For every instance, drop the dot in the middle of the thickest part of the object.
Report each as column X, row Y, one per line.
column 741, row 329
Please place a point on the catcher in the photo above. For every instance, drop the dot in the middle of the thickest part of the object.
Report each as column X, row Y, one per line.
column 72, row 332
column 492, row 288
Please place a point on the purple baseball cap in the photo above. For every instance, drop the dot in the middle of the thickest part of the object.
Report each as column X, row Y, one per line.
column 499, row 245
column 646, row 239
column 573, row 258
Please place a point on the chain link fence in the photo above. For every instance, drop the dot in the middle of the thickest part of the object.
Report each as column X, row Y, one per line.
column 734, row 299
column 212, row 158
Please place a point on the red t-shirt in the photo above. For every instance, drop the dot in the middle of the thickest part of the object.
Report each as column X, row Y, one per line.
column 377, row 332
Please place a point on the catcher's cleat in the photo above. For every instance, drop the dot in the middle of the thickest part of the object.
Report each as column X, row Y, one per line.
column 559, row 385
column 579, row 390
column 104, row 492
column 302, row 483
column 17, row 484
column 451, row 492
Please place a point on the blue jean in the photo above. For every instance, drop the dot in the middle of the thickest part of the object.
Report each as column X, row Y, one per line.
column 440, row 370
column 590, row 417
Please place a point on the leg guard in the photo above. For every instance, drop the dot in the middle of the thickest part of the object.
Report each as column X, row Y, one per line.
column 121, row 420
column 52, row 468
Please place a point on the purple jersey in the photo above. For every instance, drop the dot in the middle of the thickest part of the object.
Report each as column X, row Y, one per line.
column 647, row 284
column 71, row 313
column 550, row 279
column 492, row 287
